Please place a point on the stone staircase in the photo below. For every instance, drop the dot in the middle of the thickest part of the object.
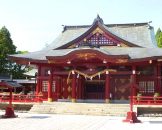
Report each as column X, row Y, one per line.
column 80, row 108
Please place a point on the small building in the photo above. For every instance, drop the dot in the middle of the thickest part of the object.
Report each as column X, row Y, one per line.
column 27, row 85
column 98, row 61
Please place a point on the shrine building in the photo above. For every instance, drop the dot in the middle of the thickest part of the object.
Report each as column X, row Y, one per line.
column 98, row 62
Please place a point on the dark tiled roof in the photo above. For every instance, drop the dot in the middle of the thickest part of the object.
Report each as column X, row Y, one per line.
column 133, row 52
column 140, row 34
column 10, row 83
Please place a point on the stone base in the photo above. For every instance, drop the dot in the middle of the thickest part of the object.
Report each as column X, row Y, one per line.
column 73, row 100
column 50, row 100
column 9, row 113
column 107, row 100
column 131, row 117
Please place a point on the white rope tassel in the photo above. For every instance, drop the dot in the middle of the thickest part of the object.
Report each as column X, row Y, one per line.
column 77, row 76
column 73, row 72
column 99, row 75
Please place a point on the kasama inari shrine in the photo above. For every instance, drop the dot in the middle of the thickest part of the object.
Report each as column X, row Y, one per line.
column 98, row 62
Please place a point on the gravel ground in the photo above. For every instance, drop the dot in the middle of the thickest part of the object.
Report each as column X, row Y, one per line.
column 28, row 121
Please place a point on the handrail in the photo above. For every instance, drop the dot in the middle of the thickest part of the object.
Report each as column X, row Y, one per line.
column 147, row 100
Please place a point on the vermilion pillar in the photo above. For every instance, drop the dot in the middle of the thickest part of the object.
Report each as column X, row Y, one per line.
column 155, row 78
column 133, row 81
column 73, row 87
column 50, row 81
column 38, row 86
column 158, row 78
column 107, row 87
column 10, row 100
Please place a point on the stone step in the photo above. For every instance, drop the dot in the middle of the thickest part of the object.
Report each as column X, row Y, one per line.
column 81, row 108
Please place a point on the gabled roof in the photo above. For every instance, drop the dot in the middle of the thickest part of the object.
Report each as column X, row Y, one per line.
column 138, row 34
column 100, row 25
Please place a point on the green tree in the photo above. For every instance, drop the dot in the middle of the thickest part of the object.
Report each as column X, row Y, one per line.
column 159, row 37
column 7, row 47
column 18, row 70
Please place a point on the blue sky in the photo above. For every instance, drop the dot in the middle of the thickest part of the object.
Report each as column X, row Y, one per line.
column 35, row 23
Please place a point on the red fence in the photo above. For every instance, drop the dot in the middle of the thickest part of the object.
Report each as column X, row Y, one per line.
column 21, row 98
column 147, row 100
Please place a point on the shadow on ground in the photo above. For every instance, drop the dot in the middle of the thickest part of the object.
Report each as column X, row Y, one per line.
column 38, row 117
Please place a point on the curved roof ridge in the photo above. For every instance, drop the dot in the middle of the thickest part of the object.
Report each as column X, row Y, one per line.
column 108, row 25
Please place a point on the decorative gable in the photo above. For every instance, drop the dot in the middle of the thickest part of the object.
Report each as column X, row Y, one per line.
column 98, row 35
column 99, row 38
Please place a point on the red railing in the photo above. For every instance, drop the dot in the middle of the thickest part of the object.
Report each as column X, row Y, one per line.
column 147, row 100
column 21, row 98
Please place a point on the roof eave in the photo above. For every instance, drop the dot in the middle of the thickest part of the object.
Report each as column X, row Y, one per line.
column 26, row 61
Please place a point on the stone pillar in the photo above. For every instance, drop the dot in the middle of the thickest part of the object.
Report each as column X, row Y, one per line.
column 107, row 87
column 73, row 86
column 50, row 82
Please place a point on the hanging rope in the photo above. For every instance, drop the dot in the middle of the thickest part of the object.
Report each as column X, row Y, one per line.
column 89, row 76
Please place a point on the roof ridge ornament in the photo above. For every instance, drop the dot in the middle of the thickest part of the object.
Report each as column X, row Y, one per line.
column 98, row 19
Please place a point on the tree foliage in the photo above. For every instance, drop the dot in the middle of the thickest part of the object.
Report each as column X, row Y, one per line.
column 159, row 37
column 7, row 48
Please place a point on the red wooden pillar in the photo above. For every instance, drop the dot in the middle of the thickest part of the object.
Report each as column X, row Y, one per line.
column 159, row 78
column 58, row 87
column 107, row 87
column 73, row 86
column 133, row 81
column 50, row 82
column 79, row 88
column 10, row 100
column 155, row 78
column 82, row 88
column 38, row 86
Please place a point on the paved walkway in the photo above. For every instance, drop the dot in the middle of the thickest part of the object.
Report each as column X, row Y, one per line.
column 26, row 121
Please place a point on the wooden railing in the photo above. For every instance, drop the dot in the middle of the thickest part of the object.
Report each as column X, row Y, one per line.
column 147, row 100
column 21, row 98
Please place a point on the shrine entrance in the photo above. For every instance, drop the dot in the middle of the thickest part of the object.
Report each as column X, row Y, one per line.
column 94, row 89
